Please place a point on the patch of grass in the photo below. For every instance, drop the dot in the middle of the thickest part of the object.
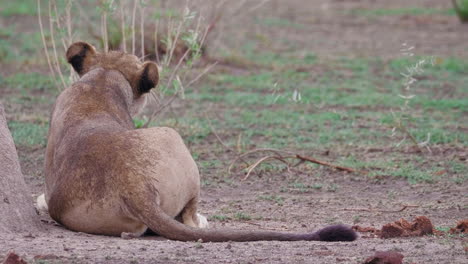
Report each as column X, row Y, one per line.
column 220, row 218
column 278, row 22
column 274, row 198
column 403, row 11
column 242, row 216
column 449, row 64
column 23, row 7
column 444, row 104
column 29, row 81
column 28, row 134
column 413, row 174
column 303, row 188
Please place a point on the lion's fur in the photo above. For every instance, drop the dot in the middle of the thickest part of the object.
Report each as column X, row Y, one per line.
column 103, row 176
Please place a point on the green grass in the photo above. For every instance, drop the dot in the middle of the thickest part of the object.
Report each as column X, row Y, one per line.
column 279, row 22
column 28, row 134
column 403, row 11
column 242, row 216
column 29, row 81
column 349, row 105
column 23, row 7
column 219, row 218
column 345, row 102
column 273, row 198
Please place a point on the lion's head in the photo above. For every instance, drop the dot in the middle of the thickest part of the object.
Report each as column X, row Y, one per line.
column 142, row 76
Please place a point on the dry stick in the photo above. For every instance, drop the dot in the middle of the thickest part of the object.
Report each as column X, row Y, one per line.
column 329, row 164
column 44, row 43
column 258, row 162
column 264, row 228
column 216, row 134
column 51, row 27
column 207, row 69
column 220, row 140
column 380, row 211
column 276, row 151
column 133, row 25
column 155, row 113
column 122, row 25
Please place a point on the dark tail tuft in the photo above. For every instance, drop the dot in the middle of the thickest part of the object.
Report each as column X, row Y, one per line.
column 336, row 233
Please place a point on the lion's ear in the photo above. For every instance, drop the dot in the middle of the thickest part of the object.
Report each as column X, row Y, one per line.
column 148, row 77
column 81, row 56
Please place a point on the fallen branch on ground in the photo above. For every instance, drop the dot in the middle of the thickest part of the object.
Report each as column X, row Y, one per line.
column 405, row 206
column 329, row 164
column 278, row 155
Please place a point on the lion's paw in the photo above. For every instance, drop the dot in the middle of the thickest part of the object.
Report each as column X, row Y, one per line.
column 202, row 221
column 41, row 203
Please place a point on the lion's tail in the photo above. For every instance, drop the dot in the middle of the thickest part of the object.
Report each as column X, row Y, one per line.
column 159, row 222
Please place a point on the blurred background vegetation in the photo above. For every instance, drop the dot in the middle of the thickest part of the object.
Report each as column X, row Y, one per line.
column 237, row 76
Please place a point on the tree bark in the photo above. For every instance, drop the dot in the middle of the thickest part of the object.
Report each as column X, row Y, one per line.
column 17, row 213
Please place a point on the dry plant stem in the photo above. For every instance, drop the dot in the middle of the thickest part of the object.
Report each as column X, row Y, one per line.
column 104, row 31
column 56, row 61
column 276, row 151
column 265, row 228
column 258, row 162
column 69, row 26
column 59, row 26
column 216, row 134
column 157, row 112
column 142, row 31
column 122, row 25
column 381, row 211
column 69, row 41
column 405, row 131
column 135, row 4
column 205, row 71
column 156, row 27
column 176, row 69
column 329, row 164
column 239, row 143
column 258, row 5
column 174, row 42
column 45, row 44
column 221, row 141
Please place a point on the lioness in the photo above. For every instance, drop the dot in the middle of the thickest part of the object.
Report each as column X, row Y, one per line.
column 105, row 177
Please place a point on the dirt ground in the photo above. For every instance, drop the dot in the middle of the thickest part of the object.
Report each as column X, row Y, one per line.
column 345, row 198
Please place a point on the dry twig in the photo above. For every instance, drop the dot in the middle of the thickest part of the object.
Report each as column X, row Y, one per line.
column 329, row 164
column 405, row 206
column 278, row 155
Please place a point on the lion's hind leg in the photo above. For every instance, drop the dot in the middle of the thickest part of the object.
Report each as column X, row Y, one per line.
column 190, row 216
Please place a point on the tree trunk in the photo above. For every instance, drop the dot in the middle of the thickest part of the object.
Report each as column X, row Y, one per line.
column 17, row 213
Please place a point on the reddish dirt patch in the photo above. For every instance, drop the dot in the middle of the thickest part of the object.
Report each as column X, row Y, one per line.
column 385, row 257
column 419, row 227
column 13, row 258
column 461, row 228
